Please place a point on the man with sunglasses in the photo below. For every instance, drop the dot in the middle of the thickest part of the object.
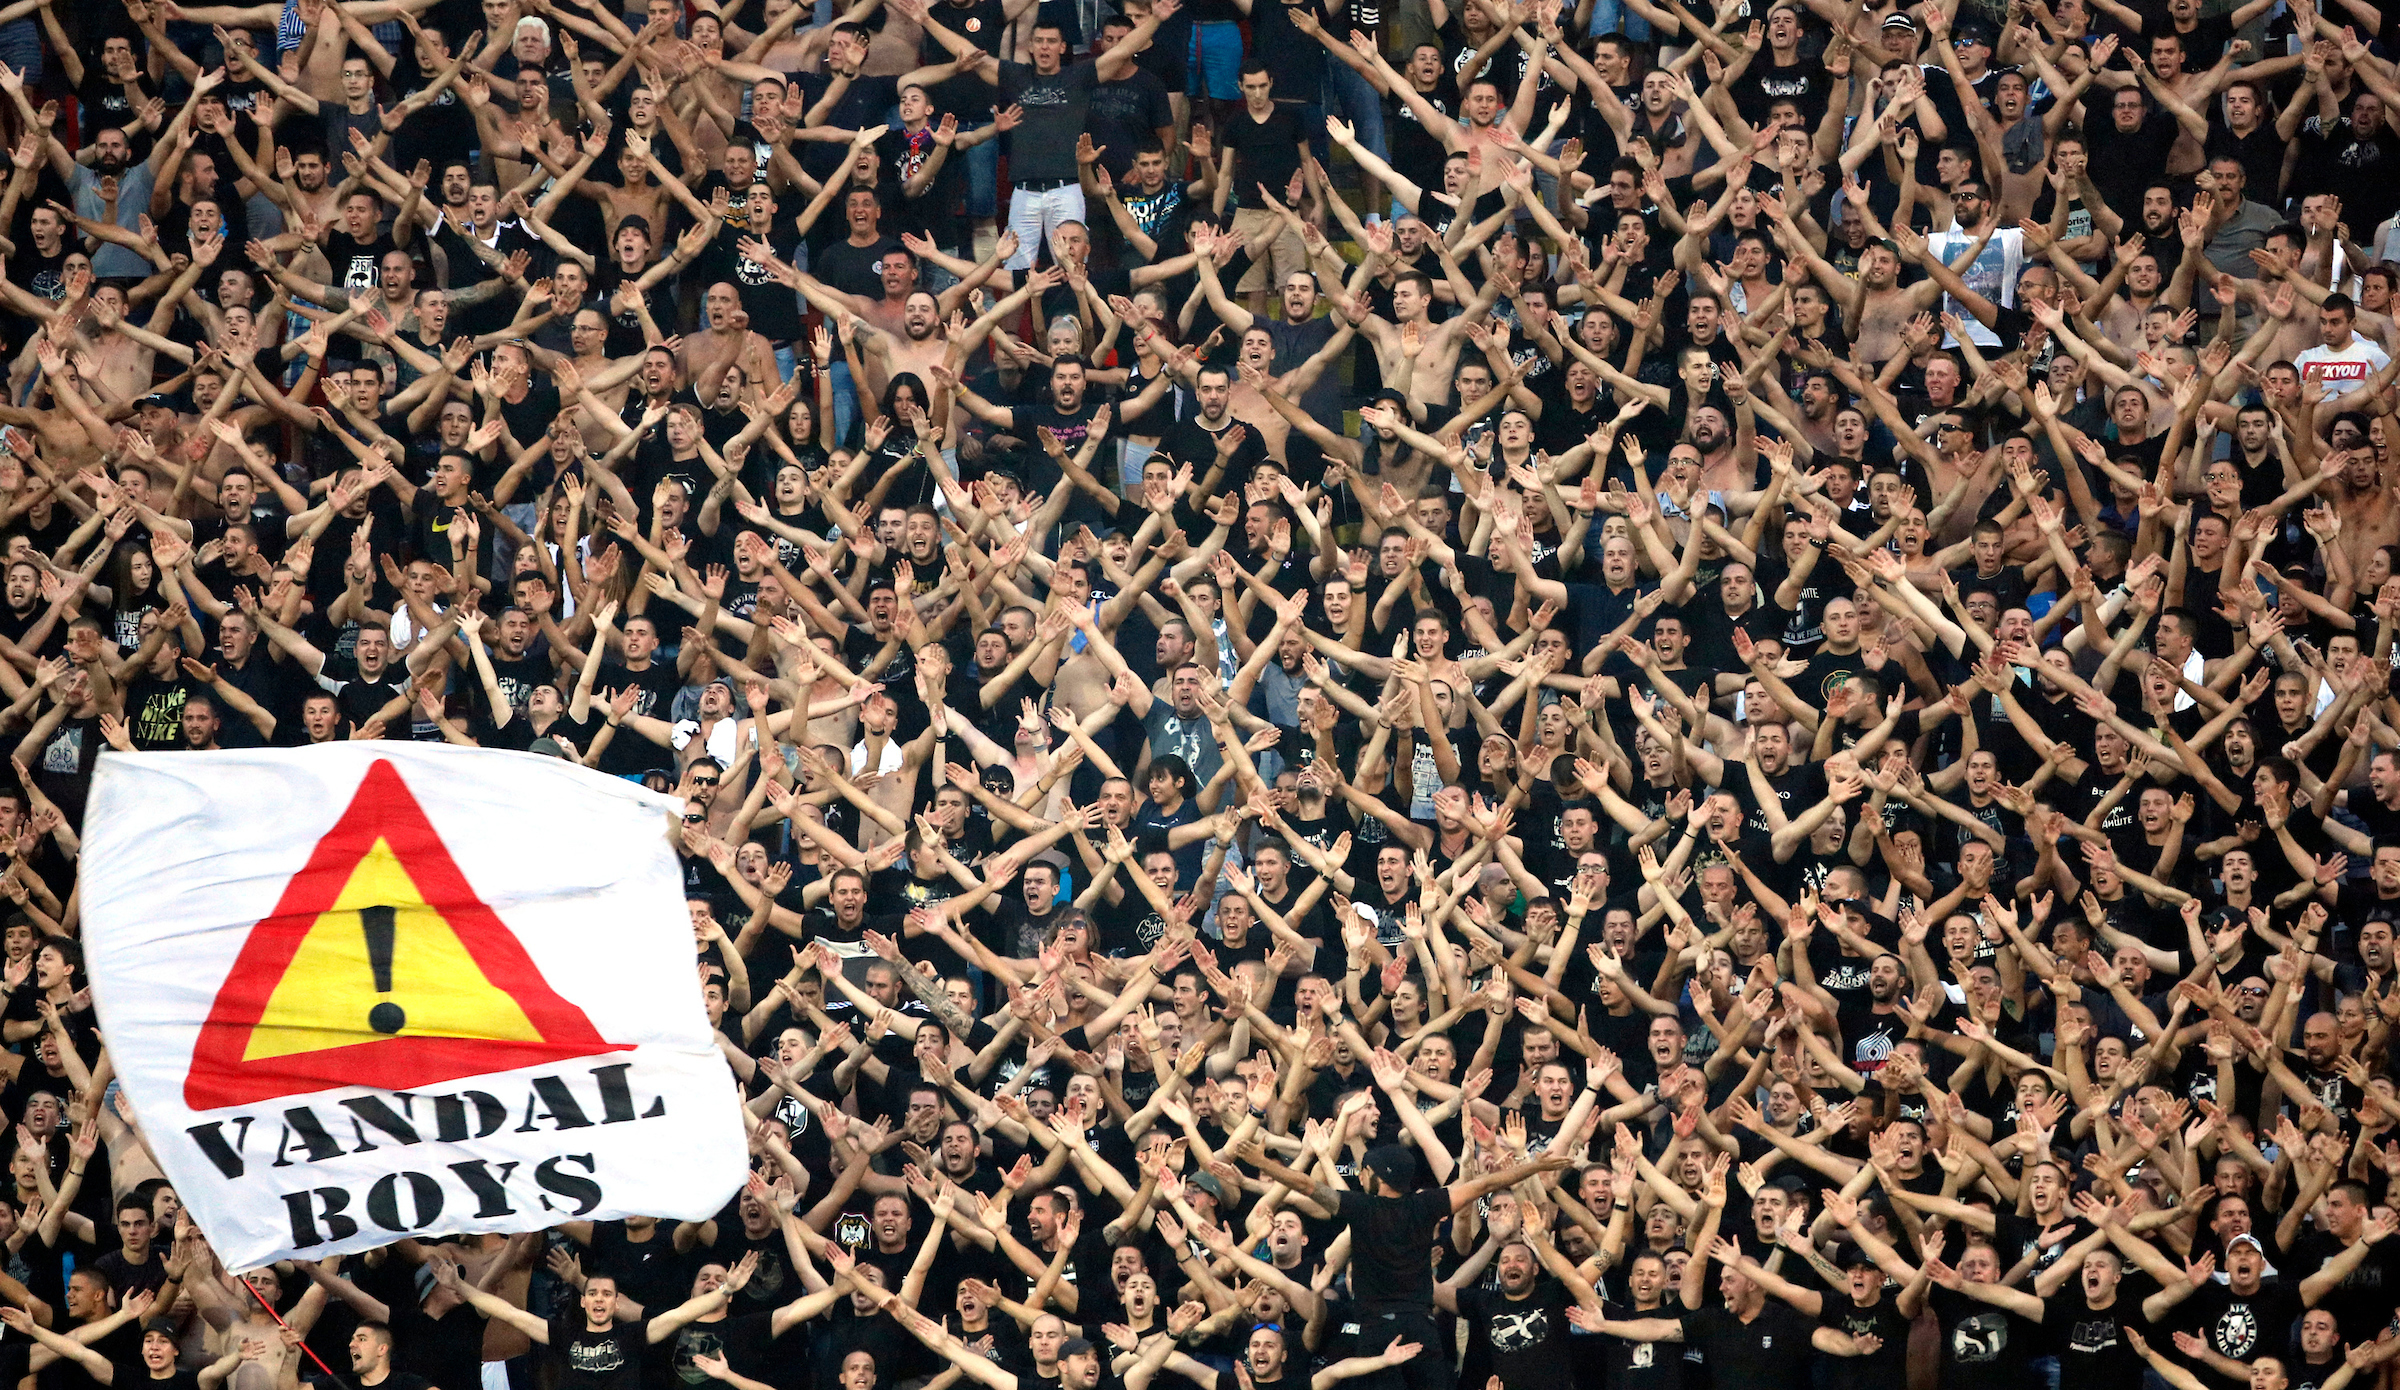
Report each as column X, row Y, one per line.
column 1993, row 273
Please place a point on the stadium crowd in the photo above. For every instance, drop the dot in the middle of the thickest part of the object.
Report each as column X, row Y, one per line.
column 1409, row 692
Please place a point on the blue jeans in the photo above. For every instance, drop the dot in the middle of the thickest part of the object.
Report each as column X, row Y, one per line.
column 1545, row 185
column 21, row 47
column 845, row 402
column 786, row 363
column 1216, row 61
column 1351, row 94
column 983, row 181
column 1612, row 16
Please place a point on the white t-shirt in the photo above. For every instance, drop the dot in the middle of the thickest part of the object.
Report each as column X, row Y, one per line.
column 1993, row 275
column 2344, row 371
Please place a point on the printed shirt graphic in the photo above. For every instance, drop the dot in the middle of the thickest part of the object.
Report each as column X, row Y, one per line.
column 1513, row 1332
column 1993, row 275
column 2344, row 370
column 2235, row 1332
column 1979, row 1337
column 589, row 1360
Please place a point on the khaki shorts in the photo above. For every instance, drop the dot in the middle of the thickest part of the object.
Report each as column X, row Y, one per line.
column 1285, row 253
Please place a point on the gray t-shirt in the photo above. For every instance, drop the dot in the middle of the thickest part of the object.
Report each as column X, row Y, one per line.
column 1055, row 111
column 1295, row 343
column 1192, row 740
column 133, row 200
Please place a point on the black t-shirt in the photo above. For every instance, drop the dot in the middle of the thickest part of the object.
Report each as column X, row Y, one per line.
column 2242, row 1326
column 589, row 1360
column 746, row 1343
column 1804, row 83
column 1264, row 152
column 105, row 102
column 649, row 1272
column 1887, row 1367
column 1629, row 1365
column 359, row 698
column 657, row 682
column 1056, row 106
column 773, row 307
column 154, row 710
column 1522, row 1341
column 448, row 1350
column 357, row 265
column 1983, row 1347
column 2090, row 1343
column 856, row 270
column 2123, row 161
column 1388, row 1240
column 122, row 1347
column 43, row 277
column 1769, row 1352
column 1126, row 112
column 879, row 1337
column 2363, row 1301
column 126, row 1276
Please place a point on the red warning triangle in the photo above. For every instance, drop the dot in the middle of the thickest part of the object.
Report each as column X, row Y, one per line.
column 379, row 967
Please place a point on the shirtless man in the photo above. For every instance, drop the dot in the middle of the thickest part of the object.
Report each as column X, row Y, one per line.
column 2363, row 501
column 300, row 185
column 590, row 368
column 726, row 341
column 124, row 356
column 514, row 137
column 1086, row 678
column 1415, row 340
column 2182, row 92
column 321, row 76
column 902, row 331
column 1656, row 127
column 1256, row 360
column 1481, row 112
column 1819, row 402
column 644, row 191
column 1875, row 309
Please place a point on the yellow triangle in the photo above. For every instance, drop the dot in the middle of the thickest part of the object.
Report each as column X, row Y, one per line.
column 328, row 992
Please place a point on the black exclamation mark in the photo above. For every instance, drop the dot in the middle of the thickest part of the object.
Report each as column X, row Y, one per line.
column 386, row 1017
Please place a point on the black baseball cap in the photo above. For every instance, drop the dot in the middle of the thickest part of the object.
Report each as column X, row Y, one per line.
column 1394, row 1164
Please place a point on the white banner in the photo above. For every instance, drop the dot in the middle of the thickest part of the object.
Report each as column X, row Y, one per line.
column 372, row 990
